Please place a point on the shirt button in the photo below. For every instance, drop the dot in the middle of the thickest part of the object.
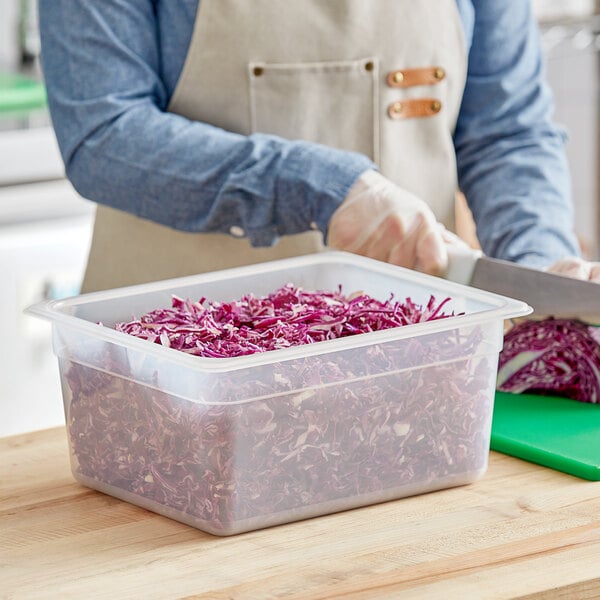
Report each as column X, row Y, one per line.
column 236, row 231
column 314, row 226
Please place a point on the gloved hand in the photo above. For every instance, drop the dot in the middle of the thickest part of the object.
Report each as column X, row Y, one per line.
column 380, row 220
column 578, row 268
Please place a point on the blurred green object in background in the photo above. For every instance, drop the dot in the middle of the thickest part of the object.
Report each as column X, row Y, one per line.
column 20, row 95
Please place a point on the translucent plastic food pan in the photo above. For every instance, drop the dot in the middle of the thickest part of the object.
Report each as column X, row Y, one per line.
column 233, row 444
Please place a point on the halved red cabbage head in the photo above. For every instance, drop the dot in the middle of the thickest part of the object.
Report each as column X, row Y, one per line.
column 551, row 356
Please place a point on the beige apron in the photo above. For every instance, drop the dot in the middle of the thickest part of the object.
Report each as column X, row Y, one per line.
column 381, row 77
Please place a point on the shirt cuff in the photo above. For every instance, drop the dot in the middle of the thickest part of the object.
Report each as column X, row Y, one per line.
column 313, row 181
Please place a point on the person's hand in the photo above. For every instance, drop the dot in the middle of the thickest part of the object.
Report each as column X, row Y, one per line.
column 380, row 220
column 578, row 268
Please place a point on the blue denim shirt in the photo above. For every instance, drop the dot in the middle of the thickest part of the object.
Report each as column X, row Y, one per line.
column 112, row 66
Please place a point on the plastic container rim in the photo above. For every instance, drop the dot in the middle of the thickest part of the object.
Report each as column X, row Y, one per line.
column 505, row 308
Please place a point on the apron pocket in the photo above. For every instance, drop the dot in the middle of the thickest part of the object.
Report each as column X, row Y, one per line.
column 331, row 103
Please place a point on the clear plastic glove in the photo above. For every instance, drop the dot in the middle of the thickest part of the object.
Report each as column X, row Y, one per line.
column 380, row 220
column 577, row 268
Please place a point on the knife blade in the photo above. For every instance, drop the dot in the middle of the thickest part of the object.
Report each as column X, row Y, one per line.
column 549, row 294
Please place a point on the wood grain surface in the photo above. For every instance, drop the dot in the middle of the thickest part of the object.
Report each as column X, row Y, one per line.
column 522, row 531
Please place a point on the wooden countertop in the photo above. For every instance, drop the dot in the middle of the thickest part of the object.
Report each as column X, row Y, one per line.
column 521, row 531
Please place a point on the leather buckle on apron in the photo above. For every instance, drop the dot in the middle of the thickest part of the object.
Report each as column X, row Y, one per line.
column 412, row 77
column 414, row 108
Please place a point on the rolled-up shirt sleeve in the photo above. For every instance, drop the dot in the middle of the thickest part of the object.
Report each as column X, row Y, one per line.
column 510, row 154
column 103, row 65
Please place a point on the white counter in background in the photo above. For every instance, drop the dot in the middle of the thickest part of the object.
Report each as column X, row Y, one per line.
column 38, row 260
column 29, row 155
column 45, row 232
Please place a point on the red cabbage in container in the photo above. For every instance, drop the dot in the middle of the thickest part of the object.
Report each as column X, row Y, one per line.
column 230, row 444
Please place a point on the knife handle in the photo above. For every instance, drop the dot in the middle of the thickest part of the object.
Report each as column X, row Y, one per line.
column 461, row 263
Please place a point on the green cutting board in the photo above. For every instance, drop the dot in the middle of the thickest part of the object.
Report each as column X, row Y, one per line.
column 555, row 432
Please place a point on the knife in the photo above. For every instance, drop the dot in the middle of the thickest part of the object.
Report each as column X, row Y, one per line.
column 549, row 294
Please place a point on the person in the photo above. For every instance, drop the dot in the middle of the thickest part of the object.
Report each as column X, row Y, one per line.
column 217, row 133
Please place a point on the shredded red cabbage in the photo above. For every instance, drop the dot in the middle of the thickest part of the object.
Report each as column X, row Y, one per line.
column 551, row 356
column 290, row 316
column 297, row 438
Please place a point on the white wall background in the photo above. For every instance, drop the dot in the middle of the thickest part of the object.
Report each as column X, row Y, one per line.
column 573, row 68
column 8, row 33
